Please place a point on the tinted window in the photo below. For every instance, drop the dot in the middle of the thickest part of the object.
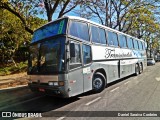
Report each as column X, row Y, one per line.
column 79, row 30
column 76, row 60
column 47, row 57
column 140, row 45
column 122, row 41
column 112, row 39
column 144, row 47
column 135, row 42
column 87, row 57
column 95, row 34
column 102, row 35
column 130, row 43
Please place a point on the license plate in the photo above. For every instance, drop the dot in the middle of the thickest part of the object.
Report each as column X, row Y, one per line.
column 41, row 90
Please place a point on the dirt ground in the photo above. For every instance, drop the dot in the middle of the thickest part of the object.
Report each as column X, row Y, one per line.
column 13, row 80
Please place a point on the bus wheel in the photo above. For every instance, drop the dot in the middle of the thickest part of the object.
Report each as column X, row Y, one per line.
column 137, row 71
column 98, row 82
column 140, row 68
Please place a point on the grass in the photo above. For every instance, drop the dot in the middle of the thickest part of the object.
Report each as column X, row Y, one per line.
column 11, row 69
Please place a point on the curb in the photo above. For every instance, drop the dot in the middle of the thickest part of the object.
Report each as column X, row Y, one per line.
column 13, row 88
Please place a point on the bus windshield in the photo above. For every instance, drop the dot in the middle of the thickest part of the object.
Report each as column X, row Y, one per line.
column 47, row 57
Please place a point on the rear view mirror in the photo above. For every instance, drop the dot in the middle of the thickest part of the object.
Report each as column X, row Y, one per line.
column 72, row 50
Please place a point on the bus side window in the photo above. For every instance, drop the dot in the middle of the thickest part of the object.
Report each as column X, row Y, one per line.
column 140, row 45
column 73, row 29
column 115, row 38
column 122, row 41
column 75, row 55
column 80, row 30
column 129, row 43
column 102, row 35
column 87, row 56
column 112, row 39
column 144, row 47
column 135, row 44
column 95, row 34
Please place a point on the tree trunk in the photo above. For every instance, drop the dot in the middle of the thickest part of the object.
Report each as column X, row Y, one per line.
column 49, row 15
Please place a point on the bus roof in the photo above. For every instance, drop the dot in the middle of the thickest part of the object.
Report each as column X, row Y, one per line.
column 89, row 21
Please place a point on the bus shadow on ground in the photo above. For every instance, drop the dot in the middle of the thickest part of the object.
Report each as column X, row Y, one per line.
column 42, row 104
column 120, row 80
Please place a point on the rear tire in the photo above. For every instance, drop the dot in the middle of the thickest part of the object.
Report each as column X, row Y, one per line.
column 140, row 68
column 98, row 82
column 137, row 70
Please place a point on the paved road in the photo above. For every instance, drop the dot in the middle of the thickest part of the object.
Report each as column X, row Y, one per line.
column 134, row 93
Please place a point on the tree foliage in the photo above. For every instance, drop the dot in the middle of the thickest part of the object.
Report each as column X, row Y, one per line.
column 138, row 18
column 14, row 36
column 25, row 9
column 19, row 20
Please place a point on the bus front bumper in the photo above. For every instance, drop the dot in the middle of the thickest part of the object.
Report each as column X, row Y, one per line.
column 49, row 90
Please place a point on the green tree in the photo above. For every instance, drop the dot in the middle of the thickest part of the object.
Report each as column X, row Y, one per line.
column 25, row 9
column 134, row 17
column 13, row 35
column 22, row 10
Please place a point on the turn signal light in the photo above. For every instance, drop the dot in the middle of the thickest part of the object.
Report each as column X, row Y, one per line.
column 61, row 83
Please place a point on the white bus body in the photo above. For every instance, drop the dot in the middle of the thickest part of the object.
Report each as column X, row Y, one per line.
column 73, row 55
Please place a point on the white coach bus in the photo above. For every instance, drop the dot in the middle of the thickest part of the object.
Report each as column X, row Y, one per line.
column 72, row 55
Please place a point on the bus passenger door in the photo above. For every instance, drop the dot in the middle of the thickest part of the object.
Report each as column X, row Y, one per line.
column 87, row 74
column 75, row 75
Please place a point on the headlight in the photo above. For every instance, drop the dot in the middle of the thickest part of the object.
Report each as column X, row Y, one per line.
column 50, row 83
column 60, row 83
column 55, row 83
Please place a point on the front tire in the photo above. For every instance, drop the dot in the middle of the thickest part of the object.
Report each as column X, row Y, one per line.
column 98, row 83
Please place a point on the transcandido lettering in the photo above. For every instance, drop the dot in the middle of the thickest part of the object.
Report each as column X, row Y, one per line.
column 110, row 53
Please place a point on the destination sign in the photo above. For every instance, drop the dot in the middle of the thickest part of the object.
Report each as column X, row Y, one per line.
column 49, row 30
